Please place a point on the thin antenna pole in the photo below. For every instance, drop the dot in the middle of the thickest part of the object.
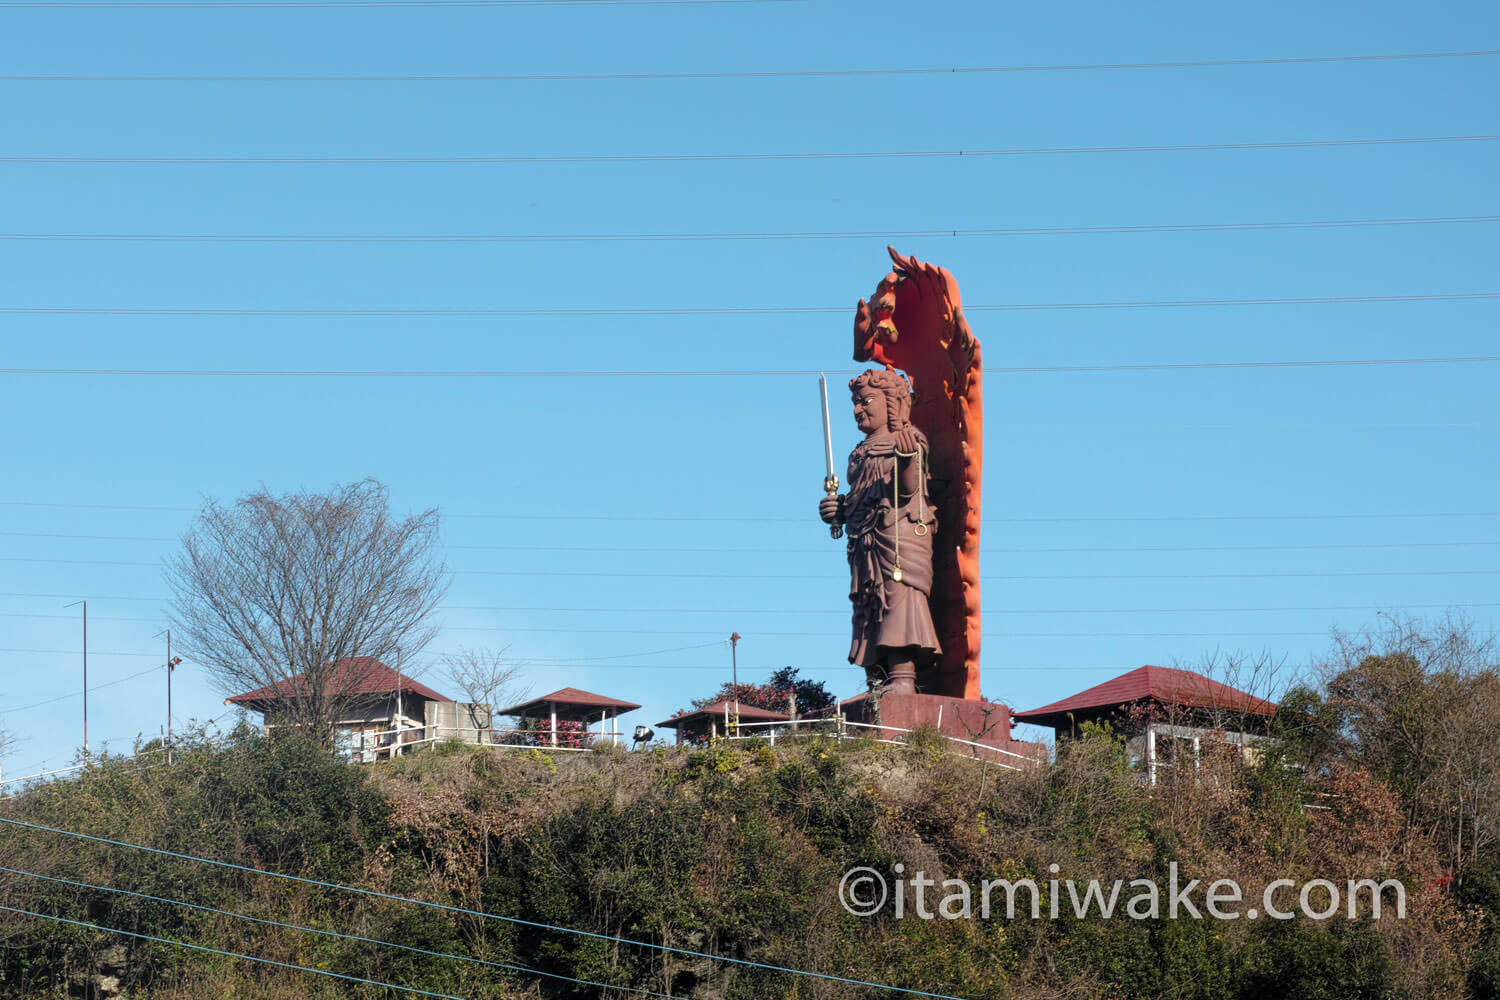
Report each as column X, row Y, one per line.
column 85, row 675
column 169, row 697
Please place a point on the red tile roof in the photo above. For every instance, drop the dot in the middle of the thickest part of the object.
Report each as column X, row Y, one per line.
column 716, row 711
column 354, row 675
column 567, row 698
column 1167, row 685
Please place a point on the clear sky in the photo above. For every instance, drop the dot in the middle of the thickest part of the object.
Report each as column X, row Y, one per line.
column 692, row 500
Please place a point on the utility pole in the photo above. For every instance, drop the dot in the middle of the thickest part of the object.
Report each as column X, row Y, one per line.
column 171, row 665
column 85, row 675
column 734, row 675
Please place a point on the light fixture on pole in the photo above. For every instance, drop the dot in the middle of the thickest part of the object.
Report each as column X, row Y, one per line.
column 172, row 662
column 734, row 675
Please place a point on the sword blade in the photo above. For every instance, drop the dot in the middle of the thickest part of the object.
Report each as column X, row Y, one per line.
column 827, row 428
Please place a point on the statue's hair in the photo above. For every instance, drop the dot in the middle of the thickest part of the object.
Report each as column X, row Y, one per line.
column 897, row 394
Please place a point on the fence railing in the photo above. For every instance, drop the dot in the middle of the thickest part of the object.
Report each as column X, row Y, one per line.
column 365, row 747
column 839, row 726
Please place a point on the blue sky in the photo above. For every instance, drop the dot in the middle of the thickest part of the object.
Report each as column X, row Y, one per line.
column 1078, row 466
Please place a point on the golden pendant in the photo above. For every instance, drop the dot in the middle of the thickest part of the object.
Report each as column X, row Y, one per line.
column 896, row 574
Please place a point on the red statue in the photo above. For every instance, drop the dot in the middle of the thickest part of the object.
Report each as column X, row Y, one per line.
column 891, row 525
column 915, row 322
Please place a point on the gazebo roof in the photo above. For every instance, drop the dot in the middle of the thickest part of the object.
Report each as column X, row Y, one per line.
column 571, row 703
column 1166, row 685
column 715, row 710
column 352, row 677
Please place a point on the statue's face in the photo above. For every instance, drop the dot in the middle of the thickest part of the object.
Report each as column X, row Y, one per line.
column 869, row 409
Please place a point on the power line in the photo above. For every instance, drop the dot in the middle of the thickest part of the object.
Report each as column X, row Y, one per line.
column 823, row 550
column 230, row 954
column 420, row 238
column 634, row 575
column 535, row 609
column 830, row 612
column 725, row 612
column 79, row 693
column 475, row 913
column 777, row 634
column 728, row 74
column 762, row 310
column 252, row 4
column 609, row 158
column 677, row 518
column 332, row 934
column 1024, row 578
column 488, row 374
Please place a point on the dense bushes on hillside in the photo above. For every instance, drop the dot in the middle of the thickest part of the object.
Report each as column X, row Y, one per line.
column 738, row 851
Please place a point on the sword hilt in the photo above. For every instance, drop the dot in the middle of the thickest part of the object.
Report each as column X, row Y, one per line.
column 831, row 487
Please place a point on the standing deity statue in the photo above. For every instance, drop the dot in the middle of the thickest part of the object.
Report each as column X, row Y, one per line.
column 891, row 524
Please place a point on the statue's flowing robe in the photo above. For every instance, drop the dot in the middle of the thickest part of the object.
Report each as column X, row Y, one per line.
column 887, row 612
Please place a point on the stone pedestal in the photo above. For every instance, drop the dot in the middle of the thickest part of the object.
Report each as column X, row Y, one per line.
column 983, row 722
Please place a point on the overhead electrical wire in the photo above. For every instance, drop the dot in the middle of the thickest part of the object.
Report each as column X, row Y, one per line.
column 762, row 550
column 332, row 934
column 632, row 574
column 719, row 74
column 79, row 693
column 328, row 4
column 518, row 921
column 420, row 238
column 1013, row 519
column 311, row 159
column 760, row 310
column 830, row 611
column 229, row 954
column 488, row 374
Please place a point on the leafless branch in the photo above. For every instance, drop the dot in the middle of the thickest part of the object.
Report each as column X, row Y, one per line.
column 486, row 676
column 278, row 590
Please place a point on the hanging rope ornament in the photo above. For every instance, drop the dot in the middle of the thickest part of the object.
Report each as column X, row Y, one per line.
column 921, row 528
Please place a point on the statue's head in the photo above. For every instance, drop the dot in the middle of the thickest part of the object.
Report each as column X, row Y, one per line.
column 882, row 400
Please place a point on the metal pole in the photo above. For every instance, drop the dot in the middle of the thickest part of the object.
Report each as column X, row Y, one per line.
column 85, row 674
column 169, row 697
column 734, row 668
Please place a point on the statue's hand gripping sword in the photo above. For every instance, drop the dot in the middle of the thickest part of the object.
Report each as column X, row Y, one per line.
column 830, row 479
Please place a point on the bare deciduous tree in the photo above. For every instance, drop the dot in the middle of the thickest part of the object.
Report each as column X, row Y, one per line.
column 1418, row 705
column 486, row 676
column 279, row 590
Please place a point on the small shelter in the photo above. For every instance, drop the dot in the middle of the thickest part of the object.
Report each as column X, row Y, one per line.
column 573, row 705
column 716, row 718
column 378, row 706
column 1164, row 713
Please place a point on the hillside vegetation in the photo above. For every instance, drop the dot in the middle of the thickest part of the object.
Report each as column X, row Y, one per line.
column 739, row 851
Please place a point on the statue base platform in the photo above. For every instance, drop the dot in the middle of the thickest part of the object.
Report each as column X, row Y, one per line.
column 983, row 723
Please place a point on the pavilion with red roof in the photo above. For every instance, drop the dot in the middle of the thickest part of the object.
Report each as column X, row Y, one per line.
column 1164, row 713
column 573, row 705
column 717, row 717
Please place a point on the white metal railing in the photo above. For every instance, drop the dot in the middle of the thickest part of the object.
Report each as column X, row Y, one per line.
column 362, row 750
column 838, row 725
column 43, row 774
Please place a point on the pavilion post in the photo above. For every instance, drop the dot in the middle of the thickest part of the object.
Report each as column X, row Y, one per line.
column 1150, row 754
column 553, row 705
